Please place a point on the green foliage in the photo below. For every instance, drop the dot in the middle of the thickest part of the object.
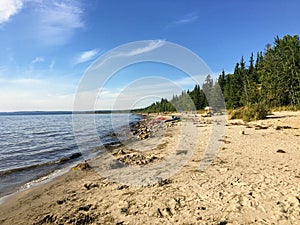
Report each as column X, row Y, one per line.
column 272, row 81
column 198, row 97
column 186, row 101
column 257, row 111
column 286, row 108
column 279, row 72
column 274, row 78
column 163, row 106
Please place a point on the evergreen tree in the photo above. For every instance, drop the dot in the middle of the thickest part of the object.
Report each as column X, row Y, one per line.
column 222, row 81
column 273, row 79
column 207, row 88
column 279, row 72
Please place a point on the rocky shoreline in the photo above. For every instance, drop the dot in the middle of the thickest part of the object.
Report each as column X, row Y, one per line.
column 148, row 128
column 150, row 125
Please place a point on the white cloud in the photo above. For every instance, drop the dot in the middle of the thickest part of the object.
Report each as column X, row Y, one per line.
column 21, row 82
column 150, row 47
column 86, row 56
column 51, row 22
column 3, row 69
column 52, row 64
column 26, row 81
column 191, row 81
column 58, row 20
column 188, row 18
column 140, row 93
column 8, row 8
column 37, row 60
column 19, row 100
column 32, row 93
column 41, row 94
column 36, row 94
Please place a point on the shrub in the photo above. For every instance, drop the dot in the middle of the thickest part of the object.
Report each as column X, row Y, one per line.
column 256, row 111
column 287, row 108
column 236, row 113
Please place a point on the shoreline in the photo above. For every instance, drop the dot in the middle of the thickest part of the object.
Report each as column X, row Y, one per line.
column 36, row 183
column 252, row 180
column 64, row 164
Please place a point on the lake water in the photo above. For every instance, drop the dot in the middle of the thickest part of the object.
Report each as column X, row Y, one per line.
column 36, row 147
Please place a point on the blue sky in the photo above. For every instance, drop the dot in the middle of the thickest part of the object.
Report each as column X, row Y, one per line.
column 46, row 46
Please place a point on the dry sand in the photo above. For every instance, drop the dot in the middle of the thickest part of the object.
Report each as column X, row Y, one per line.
column 253, row 180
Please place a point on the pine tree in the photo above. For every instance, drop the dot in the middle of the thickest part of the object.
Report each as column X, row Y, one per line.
column 207, row 88
column 222, row 81
column 279, row 72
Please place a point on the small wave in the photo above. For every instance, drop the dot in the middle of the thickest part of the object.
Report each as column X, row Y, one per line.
column 51, row 133
column 59, row 161
column 40, row 133
column 68, row 138
column 43, row 179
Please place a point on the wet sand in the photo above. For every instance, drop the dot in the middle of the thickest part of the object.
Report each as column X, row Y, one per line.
column 253, row 180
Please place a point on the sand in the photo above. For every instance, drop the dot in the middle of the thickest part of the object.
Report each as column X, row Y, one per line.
column 253, row 180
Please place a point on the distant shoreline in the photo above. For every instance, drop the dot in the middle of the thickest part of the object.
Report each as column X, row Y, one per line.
column 24, row 113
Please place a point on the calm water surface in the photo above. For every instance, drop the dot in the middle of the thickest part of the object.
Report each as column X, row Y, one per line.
column 34, row 146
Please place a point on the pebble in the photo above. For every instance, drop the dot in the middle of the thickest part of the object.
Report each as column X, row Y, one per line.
column 280, row 151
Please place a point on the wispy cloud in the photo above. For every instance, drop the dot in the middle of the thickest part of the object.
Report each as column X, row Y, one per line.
column 190, row 81
column 58, row 20
column 188, row 18
column 21, row 81
column 51, row 22
column 48, row 94
column 52, row 64
column 8, row 8
column 37, row 60
column 137, row 50
column 86, row 56
column 143, row 92
column 2, row 70
column 26, row 81
column 148, row 48
column 34, row 100
column 36, row 94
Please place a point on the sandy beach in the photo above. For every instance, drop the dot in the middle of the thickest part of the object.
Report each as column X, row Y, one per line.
column 253, row 180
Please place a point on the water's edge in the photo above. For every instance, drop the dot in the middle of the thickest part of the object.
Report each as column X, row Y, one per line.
column 65, row 165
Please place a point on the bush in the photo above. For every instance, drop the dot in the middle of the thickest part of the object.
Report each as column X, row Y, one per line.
column 287, row 108
column 236, row 113
column 257, row 111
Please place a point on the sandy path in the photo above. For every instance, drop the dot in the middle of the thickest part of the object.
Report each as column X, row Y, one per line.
column 250, row 182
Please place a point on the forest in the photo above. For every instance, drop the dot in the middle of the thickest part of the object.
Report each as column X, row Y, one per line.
column 270, row 79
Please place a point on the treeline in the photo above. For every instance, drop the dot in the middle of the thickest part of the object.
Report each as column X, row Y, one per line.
column 196, row 99
column 271, row 79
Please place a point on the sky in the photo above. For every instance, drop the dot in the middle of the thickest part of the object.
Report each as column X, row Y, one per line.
column 47, row 47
